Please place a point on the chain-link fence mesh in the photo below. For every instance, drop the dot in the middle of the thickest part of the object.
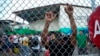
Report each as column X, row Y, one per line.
column 22, row 23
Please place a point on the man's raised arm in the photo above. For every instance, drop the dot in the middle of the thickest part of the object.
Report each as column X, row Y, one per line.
column 69, row 11
column 49, row 17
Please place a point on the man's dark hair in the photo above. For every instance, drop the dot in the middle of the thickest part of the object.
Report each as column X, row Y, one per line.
column 57, row 34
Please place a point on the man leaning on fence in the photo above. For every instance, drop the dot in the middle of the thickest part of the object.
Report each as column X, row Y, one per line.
column 61, row 46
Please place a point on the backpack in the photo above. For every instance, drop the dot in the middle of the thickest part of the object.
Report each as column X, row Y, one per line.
column 35, row 41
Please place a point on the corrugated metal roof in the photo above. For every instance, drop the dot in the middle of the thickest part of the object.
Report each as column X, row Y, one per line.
column 37, row 13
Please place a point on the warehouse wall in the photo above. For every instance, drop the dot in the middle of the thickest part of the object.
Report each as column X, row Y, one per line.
column 39, row 25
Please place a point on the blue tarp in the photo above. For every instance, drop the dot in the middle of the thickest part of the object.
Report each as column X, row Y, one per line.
column 69, row 31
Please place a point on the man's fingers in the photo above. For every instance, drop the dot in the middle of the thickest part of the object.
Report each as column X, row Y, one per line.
column 65, row 8
column 70, row 6
column 46, row 14
column 54, row 16
column 67, row 4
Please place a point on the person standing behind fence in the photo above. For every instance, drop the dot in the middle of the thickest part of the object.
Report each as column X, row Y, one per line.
column 64, row 46
column 6, row 44
column 25, row 48
column 36, row 45
column 47, row 51
column 82, row 43
column 15, row 43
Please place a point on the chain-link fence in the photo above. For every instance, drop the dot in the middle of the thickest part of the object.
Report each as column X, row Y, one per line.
column 26, row 28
